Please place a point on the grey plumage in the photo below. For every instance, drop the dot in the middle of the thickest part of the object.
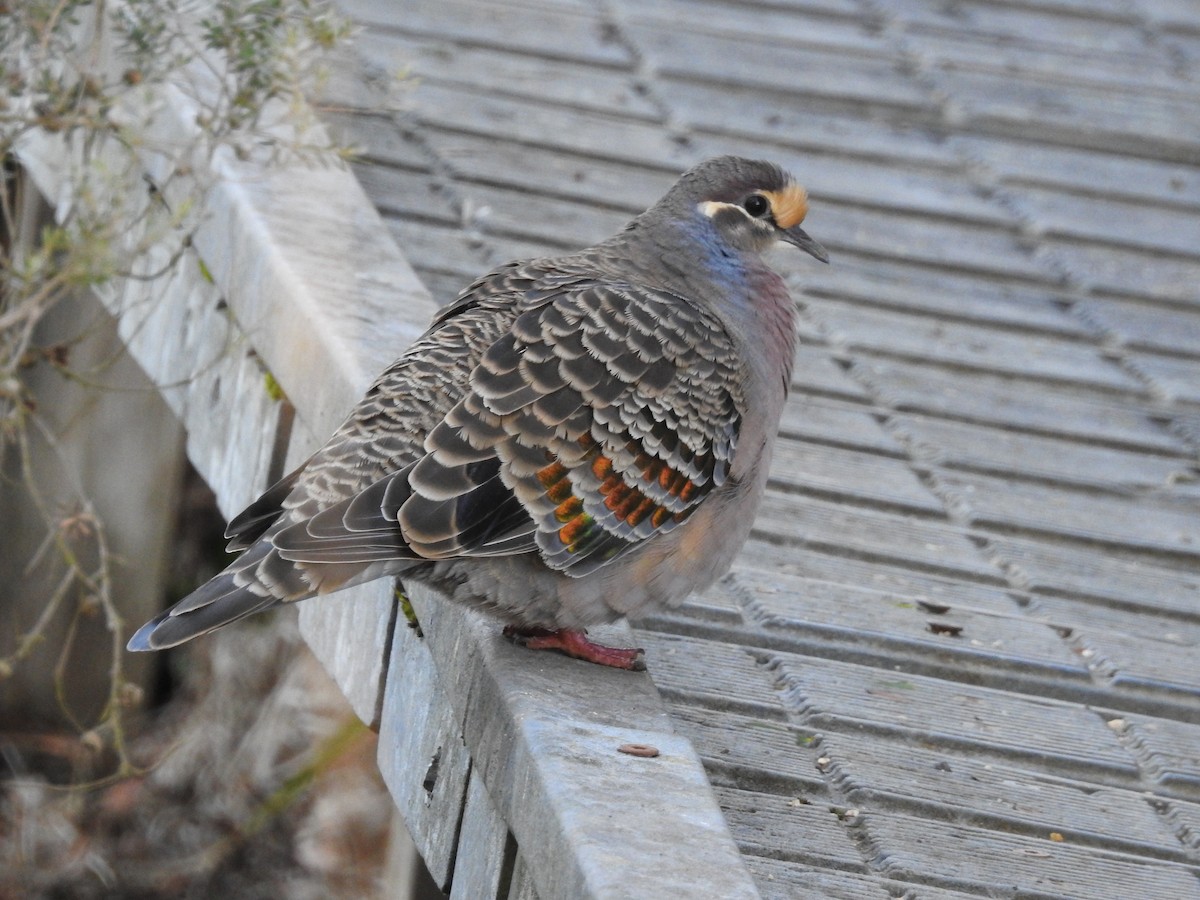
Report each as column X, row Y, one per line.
column 572, row 440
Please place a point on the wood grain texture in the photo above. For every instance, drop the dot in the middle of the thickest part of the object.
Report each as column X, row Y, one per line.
column 544, row 731
column 421, row 752
column 480, row 865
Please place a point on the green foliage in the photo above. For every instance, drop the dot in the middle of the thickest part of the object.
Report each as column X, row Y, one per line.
column 406, row 609
column 274, row 388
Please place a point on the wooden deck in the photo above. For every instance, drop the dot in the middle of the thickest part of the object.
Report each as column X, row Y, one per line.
column 958, row 657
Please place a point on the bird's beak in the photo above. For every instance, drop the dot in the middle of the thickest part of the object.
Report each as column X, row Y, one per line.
column 797, row 237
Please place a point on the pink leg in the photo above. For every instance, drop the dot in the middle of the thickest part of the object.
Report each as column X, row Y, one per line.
column 574, row 642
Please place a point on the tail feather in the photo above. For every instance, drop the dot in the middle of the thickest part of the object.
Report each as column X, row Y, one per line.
column 256, row 581
column 189, row 619
column 260, row 579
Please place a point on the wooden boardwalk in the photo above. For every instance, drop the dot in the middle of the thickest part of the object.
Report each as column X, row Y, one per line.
column 959, row 656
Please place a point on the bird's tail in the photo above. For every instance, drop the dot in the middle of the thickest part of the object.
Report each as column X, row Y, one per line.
column 258, row 580
column 232, row 595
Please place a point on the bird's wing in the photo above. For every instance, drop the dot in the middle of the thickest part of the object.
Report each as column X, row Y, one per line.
column 602, row 416
column 252, row 522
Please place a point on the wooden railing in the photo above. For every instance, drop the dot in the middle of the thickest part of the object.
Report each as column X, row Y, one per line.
column 503, row 763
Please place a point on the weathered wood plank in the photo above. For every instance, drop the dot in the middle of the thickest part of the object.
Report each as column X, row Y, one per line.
column 897, row 284
column 769, row 824
column 522, row 887
column 811, row 23
column 784, row 880
column 545, row 736
column 1058, row 25
column 919, row 543
column 1144, row 325
column 864, row 74
column 1004, row 641
column 1129, row 272
column 1167, row 750
column 567, row 34
column 816, row 370
column 578, row 131
column 1126, row 64
column 832, row 422
column 1130, row 223
column 545, row 171
column 1023, row 162
column 979, row 249
column 880, row 768
column 946, row 442
column 906, row 584
column 570, row 82
column 349, row 632
column 1175, row 378
column 421, row 753
column 1133, row 580
column 480, row 859
column 335, row 288
column 1156, row 125
column 1145, row 519
column 867, row 477
column 1058, row 737
column 910, row 847
column 720, row 112
column 1067, row 410
column 1134, row 648
column 733, row 742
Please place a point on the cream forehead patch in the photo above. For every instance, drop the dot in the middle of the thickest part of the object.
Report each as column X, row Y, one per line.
column 789, row 205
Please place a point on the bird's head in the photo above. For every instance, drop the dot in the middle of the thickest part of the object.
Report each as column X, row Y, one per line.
column 752, row 204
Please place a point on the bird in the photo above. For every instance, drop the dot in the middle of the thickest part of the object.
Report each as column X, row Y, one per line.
column 573, row 440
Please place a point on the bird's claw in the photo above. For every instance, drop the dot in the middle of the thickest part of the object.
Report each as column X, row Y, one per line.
column 574, row 642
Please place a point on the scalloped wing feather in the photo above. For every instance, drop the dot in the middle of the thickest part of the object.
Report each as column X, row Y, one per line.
column 597, row 416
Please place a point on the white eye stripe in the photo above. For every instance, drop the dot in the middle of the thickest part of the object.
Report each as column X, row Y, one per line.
column 711, row 207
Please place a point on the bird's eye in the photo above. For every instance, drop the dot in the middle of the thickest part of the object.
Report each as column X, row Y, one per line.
column 757, row 205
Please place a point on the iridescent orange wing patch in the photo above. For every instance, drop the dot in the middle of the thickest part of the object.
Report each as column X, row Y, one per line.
column 578, row 530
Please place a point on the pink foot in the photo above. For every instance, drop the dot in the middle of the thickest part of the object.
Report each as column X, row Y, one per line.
column 574, row 642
